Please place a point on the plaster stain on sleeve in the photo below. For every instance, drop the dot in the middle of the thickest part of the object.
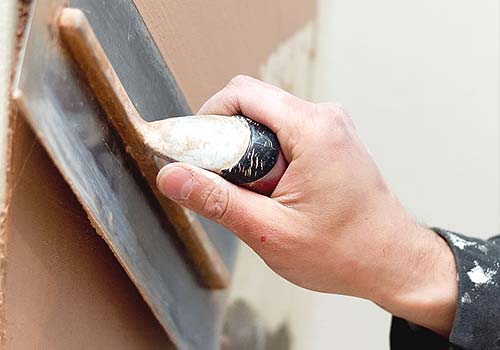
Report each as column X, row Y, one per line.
column 479, row 276
column 466, row 299
column 483, row 248
column 459, row 242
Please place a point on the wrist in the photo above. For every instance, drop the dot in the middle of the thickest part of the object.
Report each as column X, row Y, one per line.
column 423, row 287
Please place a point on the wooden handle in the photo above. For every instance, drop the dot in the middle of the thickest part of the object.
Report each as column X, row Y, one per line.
column 78, row 35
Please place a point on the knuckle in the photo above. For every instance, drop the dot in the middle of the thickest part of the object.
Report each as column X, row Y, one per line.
column 337, row 117
column 239, row 81
column 293, row 104
column 334, row 110
column 215, row 205
column 297, row 111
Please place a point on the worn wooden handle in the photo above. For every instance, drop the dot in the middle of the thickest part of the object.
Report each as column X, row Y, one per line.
column 78, row 35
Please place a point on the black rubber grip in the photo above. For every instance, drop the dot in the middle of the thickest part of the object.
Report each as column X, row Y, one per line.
column 259, row 158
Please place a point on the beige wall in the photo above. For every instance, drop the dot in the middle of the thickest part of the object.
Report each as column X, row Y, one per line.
column 205, row 43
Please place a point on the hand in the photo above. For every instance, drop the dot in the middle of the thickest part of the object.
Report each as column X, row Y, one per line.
column 332, row 224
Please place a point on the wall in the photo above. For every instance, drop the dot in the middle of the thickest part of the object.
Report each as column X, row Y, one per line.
column 421, row 81
column 7, row 35
column 7, row 30
column 205, row 44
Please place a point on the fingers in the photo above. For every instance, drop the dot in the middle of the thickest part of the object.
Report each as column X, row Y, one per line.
column 241, row 211
column 264, row 103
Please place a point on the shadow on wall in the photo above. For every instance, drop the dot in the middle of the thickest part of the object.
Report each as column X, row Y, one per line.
column 244, row 330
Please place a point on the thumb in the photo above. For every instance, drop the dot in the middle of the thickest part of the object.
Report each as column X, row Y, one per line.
column 241, row 211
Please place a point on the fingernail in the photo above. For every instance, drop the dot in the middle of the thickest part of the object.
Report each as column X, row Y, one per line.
column 175, row 182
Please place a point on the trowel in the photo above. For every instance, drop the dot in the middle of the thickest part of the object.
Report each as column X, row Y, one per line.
column 70, row 87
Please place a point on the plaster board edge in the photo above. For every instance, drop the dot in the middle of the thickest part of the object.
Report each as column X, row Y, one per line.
column 8, row 31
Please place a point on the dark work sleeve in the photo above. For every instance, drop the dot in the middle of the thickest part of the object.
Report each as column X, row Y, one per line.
column 477, row 320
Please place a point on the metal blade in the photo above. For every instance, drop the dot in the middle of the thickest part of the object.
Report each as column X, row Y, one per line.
column 73, row 129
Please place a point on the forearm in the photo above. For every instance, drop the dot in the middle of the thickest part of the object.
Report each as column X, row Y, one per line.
column 403, row 267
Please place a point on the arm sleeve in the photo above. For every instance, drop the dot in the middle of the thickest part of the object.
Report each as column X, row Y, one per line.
column 477, row 320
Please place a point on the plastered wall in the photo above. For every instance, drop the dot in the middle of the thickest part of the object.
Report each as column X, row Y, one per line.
column 421, row 81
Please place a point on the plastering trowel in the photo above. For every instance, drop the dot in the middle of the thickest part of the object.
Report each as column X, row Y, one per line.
column 87, row 131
